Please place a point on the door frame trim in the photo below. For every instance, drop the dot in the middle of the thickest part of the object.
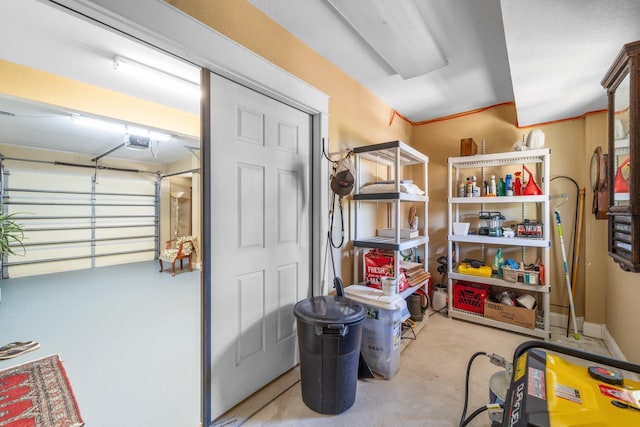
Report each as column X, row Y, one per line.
column 158, row 24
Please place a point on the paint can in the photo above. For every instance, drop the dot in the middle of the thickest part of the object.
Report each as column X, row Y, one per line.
column 389, row 286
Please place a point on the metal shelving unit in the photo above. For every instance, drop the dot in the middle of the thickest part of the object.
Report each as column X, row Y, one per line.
column 458, row 206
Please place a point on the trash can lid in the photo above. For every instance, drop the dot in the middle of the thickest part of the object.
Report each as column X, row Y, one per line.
column 375, row 297
column 329, row 310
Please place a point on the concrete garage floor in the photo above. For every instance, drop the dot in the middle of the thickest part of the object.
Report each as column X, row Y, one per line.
column 429, row 388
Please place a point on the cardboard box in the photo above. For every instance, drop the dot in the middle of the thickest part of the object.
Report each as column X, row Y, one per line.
column 519, row 316
column 405, row 233
column 468, row 147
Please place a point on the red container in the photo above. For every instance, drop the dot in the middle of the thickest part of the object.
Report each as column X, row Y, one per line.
column 470, row 296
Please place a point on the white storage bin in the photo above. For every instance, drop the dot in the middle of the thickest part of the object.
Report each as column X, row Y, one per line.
column 382, row 328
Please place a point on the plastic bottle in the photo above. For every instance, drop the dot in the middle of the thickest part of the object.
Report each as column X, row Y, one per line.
column 541, row 272
column 498, row 261
column 476, row 189
column 501, row 187
column 492, row 187
column 469, row 188
column 517, row 185
column 509, row 189
column 461, row 189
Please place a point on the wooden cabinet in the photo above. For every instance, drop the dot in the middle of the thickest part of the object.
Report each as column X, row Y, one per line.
column 622, row 83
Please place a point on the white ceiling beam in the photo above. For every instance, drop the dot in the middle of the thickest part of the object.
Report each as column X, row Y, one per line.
column 397, row 32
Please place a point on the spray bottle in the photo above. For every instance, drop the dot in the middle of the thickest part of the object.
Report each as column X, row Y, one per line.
column 517, row 185
column 509, row 188
column 498, row 261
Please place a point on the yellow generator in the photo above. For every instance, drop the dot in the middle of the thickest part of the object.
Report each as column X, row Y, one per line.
column 557, row 386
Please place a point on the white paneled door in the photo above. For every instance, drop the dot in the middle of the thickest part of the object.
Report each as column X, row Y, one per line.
column 260, row 243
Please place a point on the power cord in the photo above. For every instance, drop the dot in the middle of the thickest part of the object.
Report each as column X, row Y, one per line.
column 466, row 385
column 409, row 325
column 487, row 407
column 494, row 359
column 434, row 312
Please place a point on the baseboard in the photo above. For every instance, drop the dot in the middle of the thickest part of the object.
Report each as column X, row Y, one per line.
column 593, row 330
column 559, row 320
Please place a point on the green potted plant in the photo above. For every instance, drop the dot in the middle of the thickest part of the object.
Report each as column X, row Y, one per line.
column 10, row 233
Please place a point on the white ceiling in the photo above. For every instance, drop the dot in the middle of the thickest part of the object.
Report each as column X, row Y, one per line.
column 546, row 55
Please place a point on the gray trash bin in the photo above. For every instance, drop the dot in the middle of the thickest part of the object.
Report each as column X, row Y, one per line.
column 329, row 335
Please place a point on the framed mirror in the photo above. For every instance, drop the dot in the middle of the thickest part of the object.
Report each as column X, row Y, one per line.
column 623, row 90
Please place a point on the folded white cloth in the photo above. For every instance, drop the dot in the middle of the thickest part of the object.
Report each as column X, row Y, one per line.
column 405, row 187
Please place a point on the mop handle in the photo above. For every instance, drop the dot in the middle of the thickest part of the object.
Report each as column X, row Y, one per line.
column 558, row 222
column 576, row 334
column 561, row 234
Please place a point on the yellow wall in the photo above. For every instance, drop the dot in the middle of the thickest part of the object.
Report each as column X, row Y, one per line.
column 620, row 297
column 595, row 261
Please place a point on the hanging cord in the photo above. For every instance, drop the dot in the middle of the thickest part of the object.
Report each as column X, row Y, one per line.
column 334, row 162
column 332, row 209
column 332, row 215
column 331, row 244
column 324, row 154
column 329, row 247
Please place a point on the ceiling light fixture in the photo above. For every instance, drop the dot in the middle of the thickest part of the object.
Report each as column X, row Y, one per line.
column 119, row 128
column 397, row 32
column 154, row 74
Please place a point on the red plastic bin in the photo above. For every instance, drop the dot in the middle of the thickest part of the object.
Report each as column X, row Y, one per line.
column 470, row 296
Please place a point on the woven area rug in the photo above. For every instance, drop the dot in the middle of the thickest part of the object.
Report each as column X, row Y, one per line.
column 38, row 394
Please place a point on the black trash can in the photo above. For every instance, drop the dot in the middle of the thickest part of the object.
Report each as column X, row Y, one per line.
column 329, row 335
